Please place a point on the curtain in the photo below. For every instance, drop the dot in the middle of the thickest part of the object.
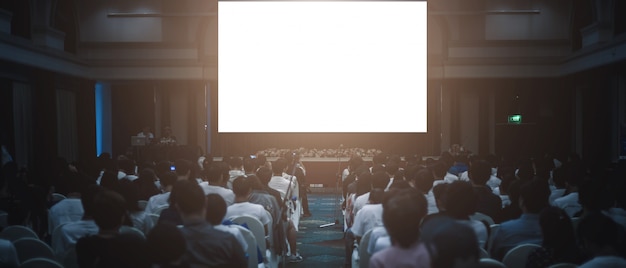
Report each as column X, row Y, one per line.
column 23, row 123
column 67, row 138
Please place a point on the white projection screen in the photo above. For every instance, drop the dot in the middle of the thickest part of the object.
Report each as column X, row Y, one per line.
column 322, row 66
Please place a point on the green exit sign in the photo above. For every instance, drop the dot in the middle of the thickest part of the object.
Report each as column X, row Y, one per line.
column 515, row 119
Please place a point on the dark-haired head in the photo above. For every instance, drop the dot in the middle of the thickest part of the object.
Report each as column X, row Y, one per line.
column 216, row 209
column 403, row 211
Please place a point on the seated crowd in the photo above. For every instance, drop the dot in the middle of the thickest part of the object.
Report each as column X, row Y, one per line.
column 184, row 211
column 460, row 209
column 451, row 212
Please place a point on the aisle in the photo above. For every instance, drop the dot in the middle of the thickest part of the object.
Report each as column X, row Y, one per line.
column 321, row 247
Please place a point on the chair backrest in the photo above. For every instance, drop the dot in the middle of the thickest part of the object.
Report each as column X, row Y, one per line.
column 482, row 217
column 69, row 258
column 56, row 197
column 142, row 204
column 490, row 263
column 15, row 232
column 29, row 248
column 563, row 265
column 518, row 256
column 270, row 231
column 364, row 256
column 492, row 230
column 483, row 253
column 252, row 245
column 132, row 230
column 256, row 227
column 41, row 263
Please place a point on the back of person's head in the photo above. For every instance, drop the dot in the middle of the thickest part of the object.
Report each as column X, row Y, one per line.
column 162, row 167
column 355, row 162
column 593, row 195
column 168, row 178
column 146, row 175
column 241, row 186
column 216, row 209
column 130, row 192
column 215, row 172
column 403, row 211
column 525, row 169
column 190, row 198
column 452, row 244
column 109, row 180
column 364, row 183
column 376, row 196
column 183, row 167
column 279, row 165
column 439, row 169
column 391, row 167
column 379, row 159
column 166, row 243
column 599, row 234
column 446, row 158
column 87, row 198
column 534, row 196
column 380, row 180
column 126, row 165
column 460, row 200
column 109, row 210
column 255, row 183
column 264, row 174
column 557, row 230
column 479, row 172
column 399, row 184
column 424, row 180
column 559, row 176
column 543, row 166
column 235, row 162
column 249, row 165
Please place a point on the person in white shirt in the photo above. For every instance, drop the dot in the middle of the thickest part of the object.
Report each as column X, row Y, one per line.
column 67, row 210
column 279, row 183
column 569, row 202
column 601, row 237
column 370, row 216
column 379, row 181
column 159, row 202
column 70, row 232
column 235, row 165
column 242, row 207
column 216, row 182
column 145, row 132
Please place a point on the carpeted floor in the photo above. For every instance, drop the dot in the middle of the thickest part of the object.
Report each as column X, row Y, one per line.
column 321, row 247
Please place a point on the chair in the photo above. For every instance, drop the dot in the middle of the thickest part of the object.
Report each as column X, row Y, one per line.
column 563, row 265
column 483, row 253
column 490, row 263
column 142, row 204
column 364, row 256
column 492, row 230
column 482, row 217
column 56, row 197
column 29, row 248
column 518, row 256
column 41, row 263
column 253, row 254
column 15, row 232
column 69, row 258
column 132, row 231
column 256, row 227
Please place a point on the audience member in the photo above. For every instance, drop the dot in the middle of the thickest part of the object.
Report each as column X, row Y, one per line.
column 137, row 216
column 183, row 169
column 109, row 248
column 380, row 180
column 452, row 244
column 559, row 241
column 533, row 198
column 279, row 183
column 167, row 247
column 67, row 210
column 402, row 214
column 569, row 201
column 216, row 175
column 488, row 203
column 72, row 231
column 461, row 200
column 160, row 201
column 206, row 246
column 215, row 212
column 423, row 182
column 146, row 184
column 235, row 165
column 603, row 240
